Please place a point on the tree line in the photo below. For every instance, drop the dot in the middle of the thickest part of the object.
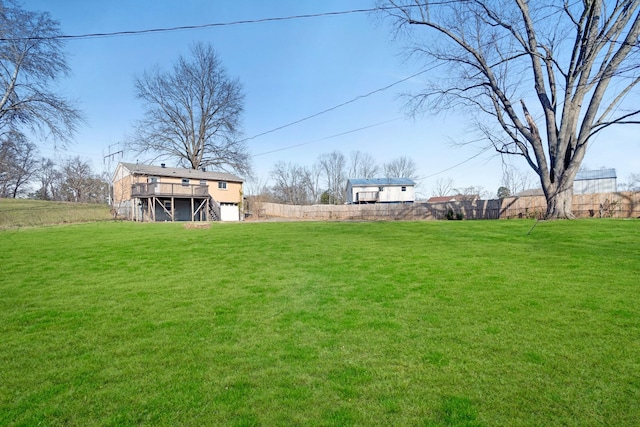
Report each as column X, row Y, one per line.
column 23, row 173
column 325, row 180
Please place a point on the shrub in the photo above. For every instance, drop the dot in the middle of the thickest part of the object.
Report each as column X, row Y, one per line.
column 451, row 215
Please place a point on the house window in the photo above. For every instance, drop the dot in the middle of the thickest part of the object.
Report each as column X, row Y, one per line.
column 167, row 205
column 404, row 188
column 152, row 179
column 380, row 188
column 222, row 185
column 185, row 181
column 203, row 182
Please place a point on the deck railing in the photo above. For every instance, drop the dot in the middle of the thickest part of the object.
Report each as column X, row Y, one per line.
column 367, row 196
column 168, row 190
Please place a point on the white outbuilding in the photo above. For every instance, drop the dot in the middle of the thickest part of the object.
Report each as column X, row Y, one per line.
column 381, row 190
column 595, row 181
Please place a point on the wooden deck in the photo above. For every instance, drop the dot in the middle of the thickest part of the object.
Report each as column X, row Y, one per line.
column 367, row 196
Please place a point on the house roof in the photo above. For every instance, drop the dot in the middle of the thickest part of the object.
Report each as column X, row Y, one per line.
column 530, row 192
column 584, row 175
column 441, row 199
column 141, row 169
column 381, row 181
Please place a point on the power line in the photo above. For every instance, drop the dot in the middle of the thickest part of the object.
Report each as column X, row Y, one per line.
column 327, row 137
column 227, row 24
column 335, row 107
column 211, row 25
column 357, row 98
column 215, row 24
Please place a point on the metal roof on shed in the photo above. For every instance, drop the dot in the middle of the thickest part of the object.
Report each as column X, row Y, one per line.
column 180, row 172
column 381, row 181
column 595, row 174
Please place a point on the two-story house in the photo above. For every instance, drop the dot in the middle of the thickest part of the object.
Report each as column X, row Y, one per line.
column 160, row 193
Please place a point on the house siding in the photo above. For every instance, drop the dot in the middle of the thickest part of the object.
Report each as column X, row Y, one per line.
column 395, row 194
column 232, row 194
column 122, row 184
column 389, row 193
column 590, row 186
column 595, row 181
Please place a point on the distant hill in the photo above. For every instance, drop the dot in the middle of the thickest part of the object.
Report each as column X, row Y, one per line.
column 29, row 213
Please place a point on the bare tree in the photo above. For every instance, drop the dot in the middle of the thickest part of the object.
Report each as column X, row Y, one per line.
column 362, row 165
column 548, row 75
column 6, row 162
column 255, row 186
column 401, row 167
column 256, row 194
column 633, row 183
column 289, row 186
column 311, row 182
column 443, row 187
column 472, row 192
column 49, row 177
column 193, row 114
column 31, row 60
column 18, row 165
column 333, row 166
column 80, row 184
column 515, row 180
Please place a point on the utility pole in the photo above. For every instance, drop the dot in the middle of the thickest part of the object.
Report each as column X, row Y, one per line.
column 106, row 162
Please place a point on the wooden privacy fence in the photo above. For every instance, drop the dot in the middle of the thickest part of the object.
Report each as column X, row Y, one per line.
column 615, row 205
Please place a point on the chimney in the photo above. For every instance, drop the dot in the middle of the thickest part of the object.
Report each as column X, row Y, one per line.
column 204, row 169
column 162, row 165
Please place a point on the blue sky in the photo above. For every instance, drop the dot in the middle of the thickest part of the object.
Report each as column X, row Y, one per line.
column 289, row 70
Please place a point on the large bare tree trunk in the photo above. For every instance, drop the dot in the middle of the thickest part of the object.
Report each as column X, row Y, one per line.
column 559, row 204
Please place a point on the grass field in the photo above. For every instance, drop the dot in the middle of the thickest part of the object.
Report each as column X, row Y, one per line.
column 460, row 323
column 32, row 213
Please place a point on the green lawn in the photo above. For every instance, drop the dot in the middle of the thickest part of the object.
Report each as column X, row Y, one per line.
column 465, row 323
column 29, row 213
